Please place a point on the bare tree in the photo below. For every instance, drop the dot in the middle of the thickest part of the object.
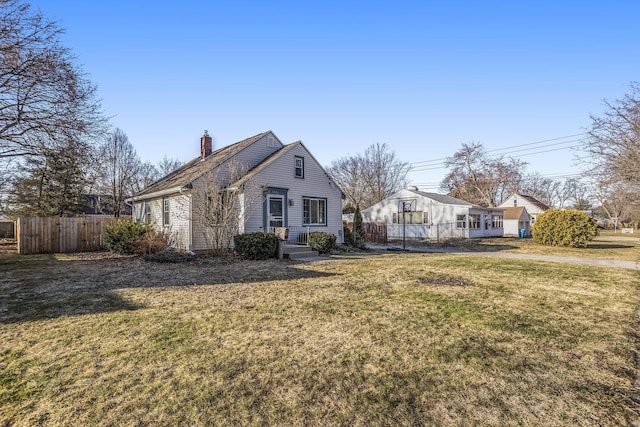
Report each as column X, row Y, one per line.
column 369, row 178
column 44, row 96
column 348, row 173
column 614, row 140
column 146, row 175
column 617, row 200
column 539, row 187
column 476, row 178
column 221, row 210
column 167, row 165
column 120, row 169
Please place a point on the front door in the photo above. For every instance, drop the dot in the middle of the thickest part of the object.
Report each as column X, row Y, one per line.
column 275, row 215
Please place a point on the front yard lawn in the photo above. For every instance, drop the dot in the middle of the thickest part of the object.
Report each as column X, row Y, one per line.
column 605, row 247
column 393, row 339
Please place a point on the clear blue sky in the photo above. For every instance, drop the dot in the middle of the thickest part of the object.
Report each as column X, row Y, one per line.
column 421, row 76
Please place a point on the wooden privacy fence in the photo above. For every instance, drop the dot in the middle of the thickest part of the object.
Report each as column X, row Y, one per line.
column 7, row 230
column 39, row 235
column 374, row 232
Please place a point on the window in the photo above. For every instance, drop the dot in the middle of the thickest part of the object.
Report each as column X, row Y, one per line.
column 147, row 211
column 299, row 167
column 314, row 211
column 515, row 203
column 410, row 218
column 461, row 221
column 474, row 221
column 496, row 221
column 165, row 211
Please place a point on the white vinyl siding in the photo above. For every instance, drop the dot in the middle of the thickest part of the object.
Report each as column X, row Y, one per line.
column 316, row 184
column 177, row 227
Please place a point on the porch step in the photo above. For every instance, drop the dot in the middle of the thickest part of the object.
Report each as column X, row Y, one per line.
column 297, row 252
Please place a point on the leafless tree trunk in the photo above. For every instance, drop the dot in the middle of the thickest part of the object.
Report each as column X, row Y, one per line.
column 120, row 169
column 221, row 210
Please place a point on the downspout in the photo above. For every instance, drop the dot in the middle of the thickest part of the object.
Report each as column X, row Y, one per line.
column 131, row 206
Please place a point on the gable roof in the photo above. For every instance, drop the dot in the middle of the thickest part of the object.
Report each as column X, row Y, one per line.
column 532, row 200
column 186, row 174
column 514, row 212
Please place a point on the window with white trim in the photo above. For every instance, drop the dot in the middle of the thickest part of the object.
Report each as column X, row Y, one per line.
column 461, row 221
column 497, row 221
column 147, row 211
column 314, row 211
column 299, row 166
column 474, row 221
column 418, row 217
column 165, row 211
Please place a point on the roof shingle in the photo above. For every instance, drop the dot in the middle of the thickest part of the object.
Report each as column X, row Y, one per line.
column 197, row 167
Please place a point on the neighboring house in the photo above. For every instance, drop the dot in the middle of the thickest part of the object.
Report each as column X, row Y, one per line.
column 534, row 206
column 419, row 215
column 282, row 186
column 516, row 219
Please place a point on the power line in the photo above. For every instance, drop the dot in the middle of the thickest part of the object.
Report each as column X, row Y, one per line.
column 442, row 165
column 436, row 185
column 509, row 150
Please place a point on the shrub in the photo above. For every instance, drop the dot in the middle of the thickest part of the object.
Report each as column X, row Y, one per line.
column 121, row 237
column 255, row 245
column 349, row 239
column 151, row 242
column 358, row 232
column 563, row 228
column 322, row 242
column 170, row 257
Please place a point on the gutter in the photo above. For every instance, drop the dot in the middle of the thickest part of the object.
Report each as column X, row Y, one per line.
column 158, row 194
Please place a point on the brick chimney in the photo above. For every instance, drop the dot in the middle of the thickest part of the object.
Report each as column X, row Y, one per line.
column 206, row 145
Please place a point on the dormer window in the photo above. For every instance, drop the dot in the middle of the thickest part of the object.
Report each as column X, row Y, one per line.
column 299, row 167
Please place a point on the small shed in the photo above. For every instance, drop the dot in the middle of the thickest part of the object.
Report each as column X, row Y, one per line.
column 516, row 219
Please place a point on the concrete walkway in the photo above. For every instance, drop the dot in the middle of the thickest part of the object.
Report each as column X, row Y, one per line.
column 632, row 265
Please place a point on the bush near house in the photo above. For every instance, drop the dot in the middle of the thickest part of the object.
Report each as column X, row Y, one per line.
column 123, row 236
column 563, row 228
column 322, row 242
column 256, row 245
column 349, row 238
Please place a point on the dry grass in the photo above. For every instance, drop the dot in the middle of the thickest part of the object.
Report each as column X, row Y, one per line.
column 622, row 248
column 399, row 339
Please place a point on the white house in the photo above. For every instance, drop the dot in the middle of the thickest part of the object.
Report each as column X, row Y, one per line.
column 281, row 186
column 516, row 219
column 534, row 206
column 419, row 215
